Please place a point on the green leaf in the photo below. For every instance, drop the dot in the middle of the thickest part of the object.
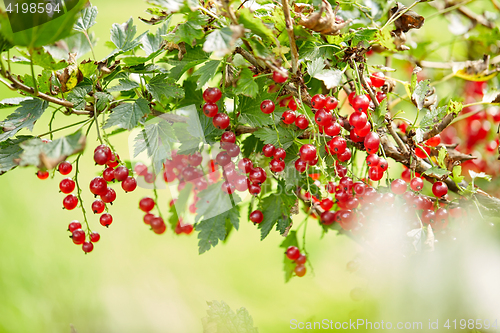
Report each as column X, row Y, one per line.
column 206, row 72
column 378, row 116
column 14, row 101
column 420, row 92
column 457, row 174
column 189, row 31
column 330, row 77
column 213, row 201
column 128, row 115
column 178, row 209
column 454, row 107
column 384, row 38
column 103, row 100
column 49, row 155
column 220, row 41
column 10, row 150
column 151, row 43
column 45, row 60
column 124, row 85
column 122, row 35
column 87, row 19
column 251, row 114
column 255, row 25
column 162, row 87
column 88, row 68
column 437, row 171
column 251, row 144
column 213, row 229
column 269, row 135
column 155, row 139
column 222, row 319
column 316, row 66
column 474, row 175
column 246, row 84
column 77, row 97
column 442, row 155
column 76, row 43
column 363, row 35
column 433, row 116
column 289, row 265
column 276, row 209
column 24, row 117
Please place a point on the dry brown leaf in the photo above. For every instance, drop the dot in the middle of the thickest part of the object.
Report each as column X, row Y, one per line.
column 326, row 25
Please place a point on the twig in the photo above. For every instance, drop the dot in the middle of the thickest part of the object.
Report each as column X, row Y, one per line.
column 291, row 36
column 475, row 17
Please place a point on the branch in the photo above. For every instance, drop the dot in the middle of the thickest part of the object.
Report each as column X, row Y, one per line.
column 291, row 36
column 439, row 127
column 475, row 17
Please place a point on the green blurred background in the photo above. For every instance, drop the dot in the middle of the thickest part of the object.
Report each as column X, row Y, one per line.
column 136, row 281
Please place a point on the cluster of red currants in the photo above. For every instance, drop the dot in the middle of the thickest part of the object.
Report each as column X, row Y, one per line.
column 156, row 222
column 211, row 96
column 78, row 236
column 293, row 253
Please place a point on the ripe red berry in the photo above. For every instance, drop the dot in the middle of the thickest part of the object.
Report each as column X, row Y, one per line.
column 221, row 121
column 87, row 247
column 257, row 175
column 300, row 270
column 301, row 260
column 439, row 189
column 323, row 117
column 212, row 95
column 254, row 189
column 268, row 150
column 70, row 202
column 98, row 186
column 382, row 163
column 318, row 101
column 301, row 122
column 67, row 185
column 398, row 186
column 109, row 196
column 280, row 76
column 129, row 184
column 146, row 204
column 228, row 136
column 94, row 237
column 301, row 165
column 280, row 153
column 360, row 103
column 326, row 203
column 277, row 165
column 78, row 236
column 434, row 141
column 428, row 216
column 210, row 109
column 256, row 216
column 101, row 156
column 331, row 103
column 108, row 174
column 308, row 153
column 380, row 96
column 65, row 168
column 358, row 120
column 74, row 225
column 345, row 155
column 372, row 160
column 232, row 149
column 98, row 206
column 113, row 160
column 378, row 79
column 337, row 145
column 292, row 252
column 288, row 117
column 42, row 174
column 121, row 173
column 332, row 129
column 372, row 142
column 245, row 165
column 375, row 173
column 421, row 151
column 106, row 219
column 416, row 184
column 267, row 106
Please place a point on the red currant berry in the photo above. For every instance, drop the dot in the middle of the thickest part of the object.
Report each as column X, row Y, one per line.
column 256, row 216
column 416, row 184
column 360, row 103
column 288, row 117
column 70, row 202
column 267, row 106
column 254, row 189
column 318, row 101
column 245, row 165
column 421, row 151
column 327, row 217
column 257, row 175
column 331, row 103
column 42, row 174
column 372, row 160
column 301, row 122
column 147, row 218
column 280, row 153
column 337, row 145
column 65, row 168
column 332, row 129
column 98, row 186
column 101, row 156
column 146, row 204
column 380, row 96
column 106, row 219
column 228, row 136
column 301, row 165
column 280, row 76
column 375, row 173
column 221, row 121
column 67, row 185
column 439, row 189
column 292, row 253
column 358, row 120
column 212, row 95
column 300, row 270
column 308, row 153
column 292, row 105
column 113, row 161
column 301, row 260
column 109, row 196
column 378, row 79
column 277, row 165
column 210, row 109
column 108, row 174
column 74, row 225
column 372, row 141
column 398, row 186
column 98, row 206
column 326, row 203
column 94, row 237
column 363, row 131
column 323, row 117
column 78, row 236
column 129, row 184
column 268, row 150
column 345, row 155
column 87, row 247
column 428, row 216
column 121, row 173
column 382, row 164
column 434, row 141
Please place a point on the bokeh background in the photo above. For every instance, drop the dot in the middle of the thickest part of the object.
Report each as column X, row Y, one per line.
column 136, row 281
